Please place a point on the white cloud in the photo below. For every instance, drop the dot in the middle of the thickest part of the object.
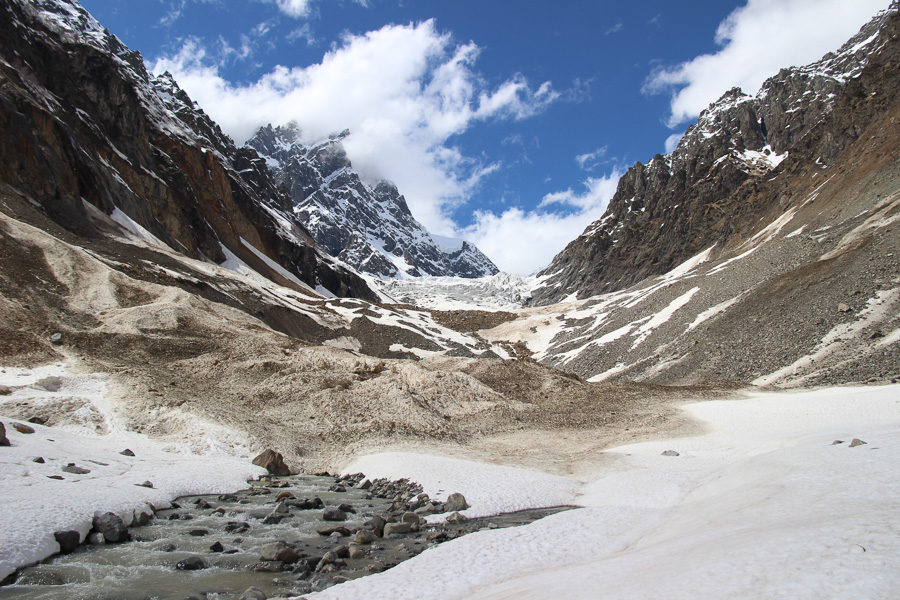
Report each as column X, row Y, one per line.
column 523, row 242
column 756, row 41
column 302, row 33
column 614, row 29
column 294, row 8
column 672, row 141
column 403, row 91
column 590, row 160
column 302, row 8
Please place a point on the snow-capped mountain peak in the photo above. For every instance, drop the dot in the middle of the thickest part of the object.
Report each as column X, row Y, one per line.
column 368, row 227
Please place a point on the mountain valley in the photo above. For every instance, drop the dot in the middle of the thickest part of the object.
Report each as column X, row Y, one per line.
column 230, row 299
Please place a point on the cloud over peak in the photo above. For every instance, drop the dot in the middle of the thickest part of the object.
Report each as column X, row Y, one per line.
column 403, row 91
column 756, row 40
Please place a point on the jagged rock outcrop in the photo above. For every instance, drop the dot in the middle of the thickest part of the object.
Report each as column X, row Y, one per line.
column 715, row 186
column 368, row 228
column 83, row 126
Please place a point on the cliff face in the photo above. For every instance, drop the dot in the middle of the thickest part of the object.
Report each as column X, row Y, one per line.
column 714, row 188
column 368, row 228
column 83, row 125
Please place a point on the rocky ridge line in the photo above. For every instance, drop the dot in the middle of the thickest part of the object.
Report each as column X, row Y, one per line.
column 705, row 192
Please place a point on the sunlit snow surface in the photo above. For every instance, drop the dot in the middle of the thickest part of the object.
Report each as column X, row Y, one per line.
column 503, row 291
column 764, row 505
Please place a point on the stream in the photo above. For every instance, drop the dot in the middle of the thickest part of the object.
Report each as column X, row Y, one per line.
column 225, row 536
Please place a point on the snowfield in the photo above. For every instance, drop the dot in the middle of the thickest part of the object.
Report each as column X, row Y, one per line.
column 764, row 505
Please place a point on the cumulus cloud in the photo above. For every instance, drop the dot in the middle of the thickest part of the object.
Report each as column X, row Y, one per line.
column 756, row 41
column 403, row 91
column 524, row 242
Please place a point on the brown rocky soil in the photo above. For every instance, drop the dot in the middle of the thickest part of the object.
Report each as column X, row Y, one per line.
column 170, row 353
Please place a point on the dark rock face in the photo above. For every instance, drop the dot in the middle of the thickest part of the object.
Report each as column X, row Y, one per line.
column 67, row 540
column 4, row 441
column 273, row 462
column 368, row 228
column 85, row 130
column 714, row 187
column 112, row 528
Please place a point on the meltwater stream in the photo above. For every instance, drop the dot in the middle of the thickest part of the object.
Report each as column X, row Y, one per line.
column 225, row 534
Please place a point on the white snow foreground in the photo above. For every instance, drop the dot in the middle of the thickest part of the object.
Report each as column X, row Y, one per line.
column 33, row 506
column 764, row 505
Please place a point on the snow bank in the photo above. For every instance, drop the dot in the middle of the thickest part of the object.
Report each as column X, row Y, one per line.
column 34, row 506
column 489, row 489
column 764, row 505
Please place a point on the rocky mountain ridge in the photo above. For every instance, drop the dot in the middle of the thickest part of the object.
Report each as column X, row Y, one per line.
column 707, row 192
column 787, row 272
column 86, row 132
column 368, row 228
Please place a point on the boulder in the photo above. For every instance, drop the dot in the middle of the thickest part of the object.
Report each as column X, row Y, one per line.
column 111, row 526
column 278, row 551
column 141, row 518
column 253, row 593
column 412, row 519
column 237, row 527
column 4, row 441
column 364, row 536
column 272, row 462
column 334, row 514
column 5, row 390
column 67, row 540
column 390, row 528
column 456, row 518
column 455, row 503
column 377, row 524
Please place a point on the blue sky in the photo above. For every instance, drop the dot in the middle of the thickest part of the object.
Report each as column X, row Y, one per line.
column 505, row 122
